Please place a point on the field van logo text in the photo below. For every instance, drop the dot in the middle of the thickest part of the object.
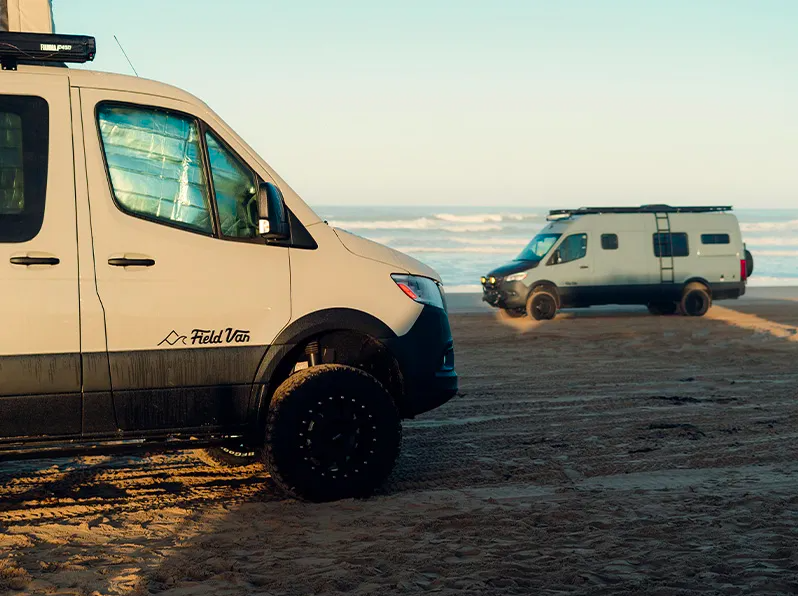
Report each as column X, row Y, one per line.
column 199, row 337
column 225, row 336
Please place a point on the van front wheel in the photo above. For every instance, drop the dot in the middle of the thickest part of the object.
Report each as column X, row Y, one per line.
column 541, row 305
column 333, row 432
column 695, row 300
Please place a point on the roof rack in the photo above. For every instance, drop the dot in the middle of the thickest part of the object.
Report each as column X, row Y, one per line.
column 565, row 213
column 44, row 48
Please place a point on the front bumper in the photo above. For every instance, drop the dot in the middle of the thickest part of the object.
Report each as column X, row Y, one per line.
column 425, row 355
column 507, row 295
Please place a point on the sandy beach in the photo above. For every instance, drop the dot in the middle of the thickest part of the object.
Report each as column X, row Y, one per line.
column 604, row 452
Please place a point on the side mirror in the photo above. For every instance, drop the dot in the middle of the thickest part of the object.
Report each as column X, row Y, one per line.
column 272, row 215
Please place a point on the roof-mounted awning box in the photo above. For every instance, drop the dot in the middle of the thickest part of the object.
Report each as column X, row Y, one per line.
column 34, row 48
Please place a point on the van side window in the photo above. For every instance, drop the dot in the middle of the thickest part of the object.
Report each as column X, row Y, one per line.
column 715, row 239
column 663, row 242
column 155, row 165
column 236, row 190
column 24, row 144
column 609, row 241
column 572, row 248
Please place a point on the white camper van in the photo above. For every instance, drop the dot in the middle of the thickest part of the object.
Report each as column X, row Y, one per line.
column 162, row 286
column 667, row 258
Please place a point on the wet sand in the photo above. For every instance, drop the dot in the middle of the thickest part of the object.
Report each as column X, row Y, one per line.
column 605, row 452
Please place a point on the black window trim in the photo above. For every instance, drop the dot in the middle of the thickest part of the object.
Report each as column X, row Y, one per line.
column 203, row 128
column 656, row 244
column 610, row 235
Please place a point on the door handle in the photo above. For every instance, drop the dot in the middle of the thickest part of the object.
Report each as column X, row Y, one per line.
column 131, row 262
column 40, row 260
column 584, row 267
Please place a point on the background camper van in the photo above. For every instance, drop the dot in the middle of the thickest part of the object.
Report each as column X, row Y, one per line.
column 667, row 258
column 164, row 287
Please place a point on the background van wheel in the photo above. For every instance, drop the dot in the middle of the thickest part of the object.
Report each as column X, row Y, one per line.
column 695, row 300
column 333, row 432
column 541, row 305
column 512, row 313
column 662, row 308
column 232, row 456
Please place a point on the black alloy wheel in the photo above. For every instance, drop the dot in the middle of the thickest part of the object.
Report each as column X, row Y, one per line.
column 333, row 432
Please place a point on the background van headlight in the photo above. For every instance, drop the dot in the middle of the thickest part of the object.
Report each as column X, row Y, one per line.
column 516, row 276
column 420, row 289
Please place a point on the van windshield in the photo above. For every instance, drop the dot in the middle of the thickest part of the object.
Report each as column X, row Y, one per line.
column 538, row 247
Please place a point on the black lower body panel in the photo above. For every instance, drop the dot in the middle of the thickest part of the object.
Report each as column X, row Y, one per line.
column 425, row 355
column 513, row 297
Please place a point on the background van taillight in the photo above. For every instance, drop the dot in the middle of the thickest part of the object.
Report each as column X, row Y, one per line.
column 743, row 270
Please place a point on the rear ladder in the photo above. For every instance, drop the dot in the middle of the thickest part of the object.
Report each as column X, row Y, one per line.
column 666, row 268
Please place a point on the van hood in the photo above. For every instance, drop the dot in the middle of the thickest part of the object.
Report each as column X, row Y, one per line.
column 369, row 249
column 513, row 267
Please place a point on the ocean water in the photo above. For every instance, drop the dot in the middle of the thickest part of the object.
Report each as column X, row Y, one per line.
column 464, row 243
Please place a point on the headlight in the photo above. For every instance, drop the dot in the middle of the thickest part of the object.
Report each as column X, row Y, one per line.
column 516, row 276
column 420, row 289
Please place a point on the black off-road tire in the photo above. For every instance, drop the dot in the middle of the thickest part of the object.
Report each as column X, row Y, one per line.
column 232, row 457
column 696, row 300
column 662, row 308
column 749, row 264
column 541, row 305
column 333, row 432
column 512, row 313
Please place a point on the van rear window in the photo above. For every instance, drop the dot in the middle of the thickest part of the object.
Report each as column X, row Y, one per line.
column 24, row 143
column 671, row 244
column 715, row 239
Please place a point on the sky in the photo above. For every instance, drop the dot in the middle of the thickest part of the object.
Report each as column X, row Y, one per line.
column 480, row 103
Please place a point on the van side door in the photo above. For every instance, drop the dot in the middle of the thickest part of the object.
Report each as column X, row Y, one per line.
column 40, row 376
column 192, row 295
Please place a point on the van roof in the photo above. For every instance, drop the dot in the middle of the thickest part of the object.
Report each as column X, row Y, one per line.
column 94, row 79
column 556, row 214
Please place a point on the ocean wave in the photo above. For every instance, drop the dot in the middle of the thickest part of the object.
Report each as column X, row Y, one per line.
column 754, row 242
column 420, row 223
column 385, row 240
column 514, row 242
column 458, row 249
column 774, row 253
column 486, row 217
column 768, row 226
column 476, row 218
